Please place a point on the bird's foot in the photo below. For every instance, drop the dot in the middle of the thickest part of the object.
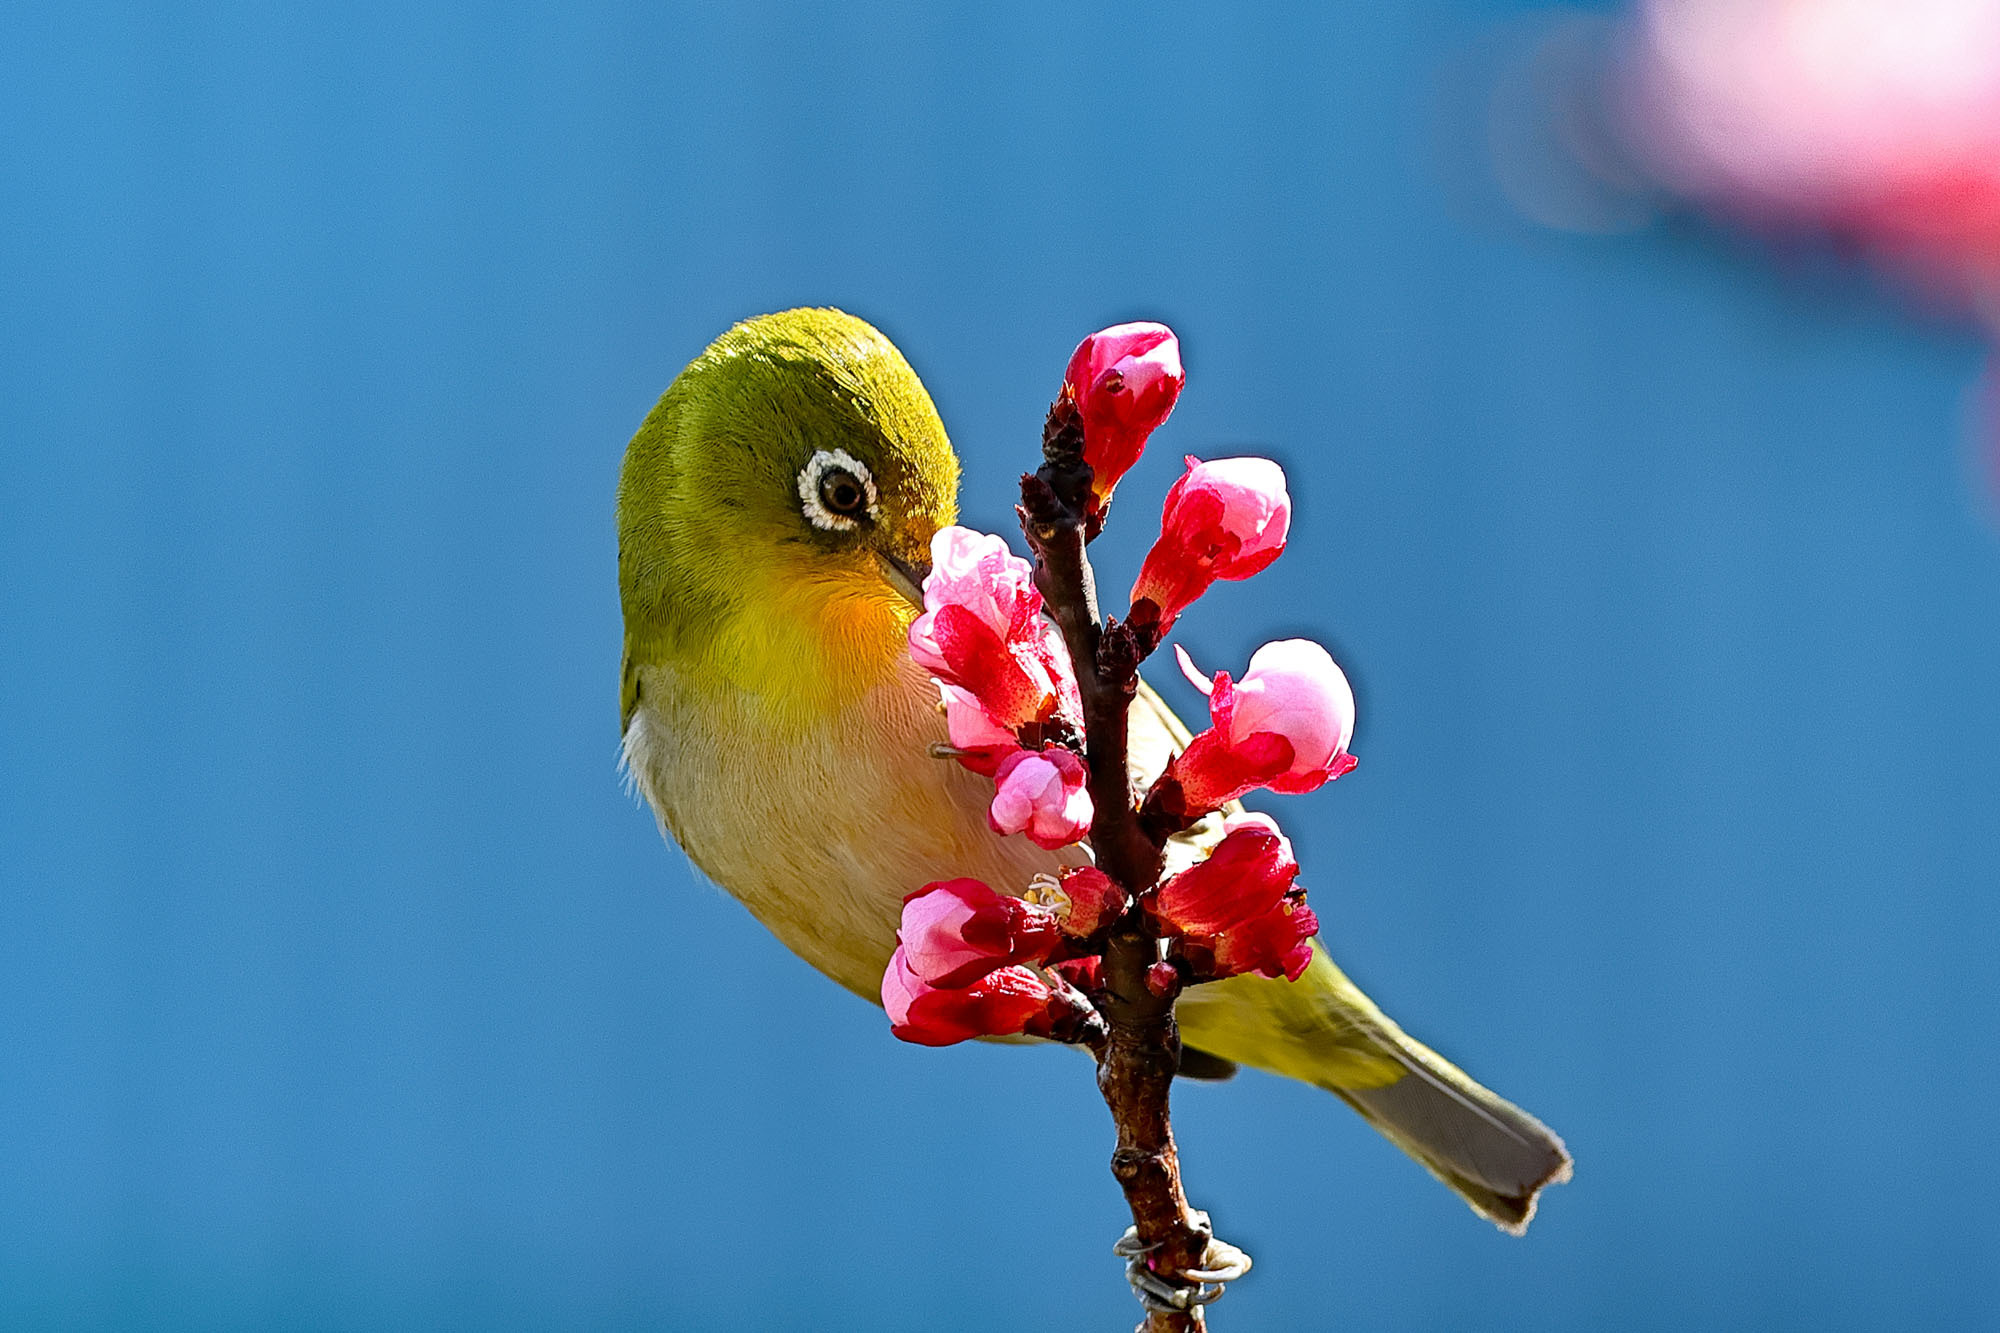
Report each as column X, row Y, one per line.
column 1221, row 1263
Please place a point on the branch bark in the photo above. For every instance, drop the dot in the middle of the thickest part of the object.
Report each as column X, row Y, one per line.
column 1137, row 1062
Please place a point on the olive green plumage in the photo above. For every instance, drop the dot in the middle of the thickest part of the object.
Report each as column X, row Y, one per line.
column 709, row 521
column 774, row 721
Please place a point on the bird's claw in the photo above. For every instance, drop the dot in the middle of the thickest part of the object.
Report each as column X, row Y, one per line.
column 1221, row 1263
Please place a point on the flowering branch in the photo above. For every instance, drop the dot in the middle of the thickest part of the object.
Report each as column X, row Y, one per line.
column 1055, row 516
column 1098, row 956
column 1138, row 1060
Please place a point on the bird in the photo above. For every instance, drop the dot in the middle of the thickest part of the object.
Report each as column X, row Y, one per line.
column 775, row 511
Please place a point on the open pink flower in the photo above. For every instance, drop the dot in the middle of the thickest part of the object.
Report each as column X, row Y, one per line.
column 1277, row 943
column 1285, row 725
column 957, row 930
column 1247, row 875
column 982, row 630
column 1041, row 793
column 1225, row 519
column 1003, row 1002
column 1125, row 380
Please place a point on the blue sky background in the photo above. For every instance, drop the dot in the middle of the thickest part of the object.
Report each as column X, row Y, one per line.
column 341, row 987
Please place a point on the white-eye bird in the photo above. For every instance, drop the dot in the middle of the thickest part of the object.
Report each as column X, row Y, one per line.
column 775, row 512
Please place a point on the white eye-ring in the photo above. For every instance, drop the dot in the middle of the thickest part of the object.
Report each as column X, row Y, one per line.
column 837, row 491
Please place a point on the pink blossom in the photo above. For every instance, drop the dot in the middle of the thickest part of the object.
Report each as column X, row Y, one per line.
column 1041, row 793
column 975, row 572
column 1225, row 519
column 1125, row 380
column 1095, row 900
column 955, row 931
column 1247, row 874
column 1285, row 725
column 1003, row 1002
column 982, row 630
column 1877, row 121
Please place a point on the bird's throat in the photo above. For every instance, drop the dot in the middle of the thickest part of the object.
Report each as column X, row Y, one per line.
column 806, row 647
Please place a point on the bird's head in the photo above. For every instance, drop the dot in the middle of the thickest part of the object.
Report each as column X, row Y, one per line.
column 775, row 511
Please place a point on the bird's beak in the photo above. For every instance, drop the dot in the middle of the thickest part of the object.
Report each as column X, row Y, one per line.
column 905, row 577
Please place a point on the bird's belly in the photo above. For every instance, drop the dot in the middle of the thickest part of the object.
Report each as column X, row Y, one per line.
column 821, row 832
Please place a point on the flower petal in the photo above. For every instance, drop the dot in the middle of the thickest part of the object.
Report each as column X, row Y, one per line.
column 1193, row 673
column 1277, row 943
column 1095, row 900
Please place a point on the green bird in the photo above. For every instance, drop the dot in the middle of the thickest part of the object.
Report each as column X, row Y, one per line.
column 775, row 512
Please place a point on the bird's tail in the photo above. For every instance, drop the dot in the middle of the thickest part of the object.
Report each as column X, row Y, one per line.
column 1321, row 1029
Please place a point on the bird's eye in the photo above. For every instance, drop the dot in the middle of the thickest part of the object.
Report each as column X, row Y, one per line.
column 837, row 491
column 841, row 493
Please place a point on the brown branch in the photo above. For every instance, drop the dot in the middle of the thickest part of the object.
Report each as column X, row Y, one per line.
column 1137, row 1062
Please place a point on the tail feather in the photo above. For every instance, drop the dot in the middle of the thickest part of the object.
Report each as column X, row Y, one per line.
column 1492, row 1152
column 1322, row 1030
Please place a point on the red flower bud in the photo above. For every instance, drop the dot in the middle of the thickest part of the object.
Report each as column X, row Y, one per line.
column 1124, row 380
column 957, row 930
column 1248, row 874
column 1222, row 520
column 1041, row 793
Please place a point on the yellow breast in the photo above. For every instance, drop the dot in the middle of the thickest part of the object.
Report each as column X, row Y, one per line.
column 803, row 643
column 820, row 824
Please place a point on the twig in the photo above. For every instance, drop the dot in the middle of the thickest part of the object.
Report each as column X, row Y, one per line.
column 1136, row 1064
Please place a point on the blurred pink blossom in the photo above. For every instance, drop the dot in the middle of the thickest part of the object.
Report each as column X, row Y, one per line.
column 1872, row 126
column 1877, row 121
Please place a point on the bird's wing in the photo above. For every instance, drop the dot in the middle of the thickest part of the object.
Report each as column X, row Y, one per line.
column 1153, row 736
